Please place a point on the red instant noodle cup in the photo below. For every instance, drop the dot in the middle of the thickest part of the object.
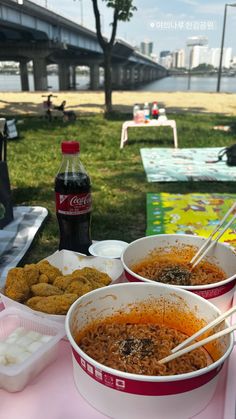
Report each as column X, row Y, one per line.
column 125, row 395
column 219, row 293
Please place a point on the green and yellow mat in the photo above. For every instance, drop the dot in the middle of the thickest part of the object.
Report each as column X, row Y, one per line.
column 195, row 213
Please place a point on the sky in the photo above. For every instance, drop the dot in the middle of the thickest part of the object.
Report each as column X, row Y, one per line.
column 168, row 24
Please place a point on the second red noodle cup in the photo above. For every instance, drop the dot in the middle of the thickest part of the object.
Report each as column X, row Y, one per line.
column 119, row 394
column 219, row 293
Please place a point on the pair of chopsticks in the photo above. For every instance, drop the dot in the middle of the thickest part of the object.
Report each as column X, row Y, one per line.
column 181, row 348
column 208, row 244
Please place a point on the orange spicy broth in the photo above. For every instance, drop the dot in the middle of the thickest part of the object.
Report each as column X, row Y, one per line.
column 172, row 266
column 133, row 342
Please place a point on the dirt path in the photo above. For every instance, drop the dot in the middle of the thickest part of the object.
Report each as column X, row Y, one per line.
column 19, row 103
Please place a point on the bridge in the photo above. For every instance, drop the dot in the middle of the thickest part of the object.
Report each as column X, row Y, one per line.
column 30, row 32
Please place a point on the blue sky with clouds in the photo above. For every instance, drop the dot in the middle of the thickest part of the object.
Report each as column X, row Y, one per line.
column 167, row 23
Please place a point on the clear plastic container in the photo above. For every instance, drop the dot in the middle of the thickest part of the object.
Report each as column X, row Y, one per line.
column 14, row 377
column 108, row 248
column 162, row 114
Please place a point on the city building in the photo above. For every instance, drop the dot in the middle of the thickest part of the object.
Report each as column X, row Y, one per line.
column 164, row 53
column 146, row 48
column 205, row 55
column 227, row 57
column 199, row 55
column 178, row 58
column 215, row 57
column 166, row 59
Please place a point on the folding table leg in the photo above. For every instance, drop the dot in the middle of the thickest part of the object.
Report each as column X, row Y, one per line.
column 175, row 137
column 124, row 137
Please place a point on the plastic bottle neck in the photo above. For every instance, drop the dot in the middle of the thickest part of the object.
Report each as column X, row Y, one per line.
column 69, row 155
column 71, row 163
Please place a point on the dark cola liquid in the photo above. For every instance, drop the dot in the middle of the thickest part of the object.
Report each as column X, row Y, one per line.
column 75, row 232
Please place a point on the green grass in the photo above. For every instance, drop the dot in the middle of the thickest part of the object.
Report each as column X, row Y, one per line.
column 118, row 179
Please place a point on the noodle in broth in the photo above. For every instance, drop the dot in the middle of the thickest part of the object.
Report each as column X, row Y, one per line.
column 136, row 348
column 172, row 266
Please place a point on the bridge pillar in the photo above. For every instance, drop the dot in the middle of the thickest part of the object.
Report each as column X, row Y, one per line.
column 126, row 75
column 117, row 76
column 140, row 74
column 132, row 75
column 73, row 77
column 24, row 76
column 64, row 76
column 40, row 73
column 129, row 75
column 148, row 75
column 94, row 76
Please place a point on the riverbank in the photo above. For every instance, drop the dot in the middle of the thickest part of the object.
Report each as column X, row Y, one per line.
column 31, row 103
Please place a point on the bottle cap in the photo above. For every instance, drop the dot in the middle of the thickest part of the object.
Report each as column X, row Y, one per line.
column 70, row 147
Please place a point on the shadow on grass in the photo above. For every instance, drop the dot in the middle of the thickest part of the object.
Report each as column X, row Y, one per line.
column 15, row 109
column 32, row 194
column 118, row 178
column 135, row 209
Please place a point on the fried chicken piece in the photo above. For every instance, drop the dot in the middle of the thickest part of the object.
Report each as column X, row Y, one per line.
column 31, row 302
column 63, row 281
column 94, row 284
column 54, row 304
column 78, row 287
column 44, row 290
column 50, row 271
column 17, row 287
column 43, row 279
column 31, row 274
column 94, row 274
column 12, row 273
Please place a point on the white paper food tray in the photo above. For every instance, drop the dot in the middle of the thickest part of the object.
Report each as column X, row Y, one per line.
column 68, row 262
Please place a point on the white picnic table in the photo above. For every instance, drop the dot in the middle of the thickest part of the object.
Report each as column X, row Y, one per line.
column 161, row 122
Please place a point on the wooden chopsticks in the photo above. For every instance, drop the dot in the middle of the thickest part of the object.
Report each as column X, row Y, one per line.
column 181, row 349
column 209, row 243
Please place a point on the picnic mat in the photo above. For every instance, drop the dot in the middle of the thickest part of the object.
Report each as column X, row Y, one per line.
column 16, row 237
column 186, row 164
column 195, row 213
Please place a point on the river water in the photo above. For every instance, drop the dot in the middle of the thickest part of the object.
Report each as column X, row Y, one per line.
column 197, row 84
column 168, row 84
column 11, row 82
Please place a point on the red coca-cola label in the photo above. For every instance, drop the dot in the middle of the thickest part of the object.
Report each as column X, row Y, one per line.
column 72, row 204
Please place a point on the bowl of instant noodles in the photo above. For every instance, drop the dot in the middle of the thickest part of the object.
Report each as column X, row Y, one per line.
column 165, row 258
column 119, row 335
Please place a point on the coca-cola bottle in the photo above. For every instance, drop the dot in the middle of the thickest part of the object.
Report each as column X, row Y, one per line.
column 155, row 110
column 73, row 200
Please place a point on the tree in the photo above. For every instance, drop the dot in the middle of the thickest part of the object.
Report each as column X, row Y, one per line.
column 123, row 11
column 204, row 67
